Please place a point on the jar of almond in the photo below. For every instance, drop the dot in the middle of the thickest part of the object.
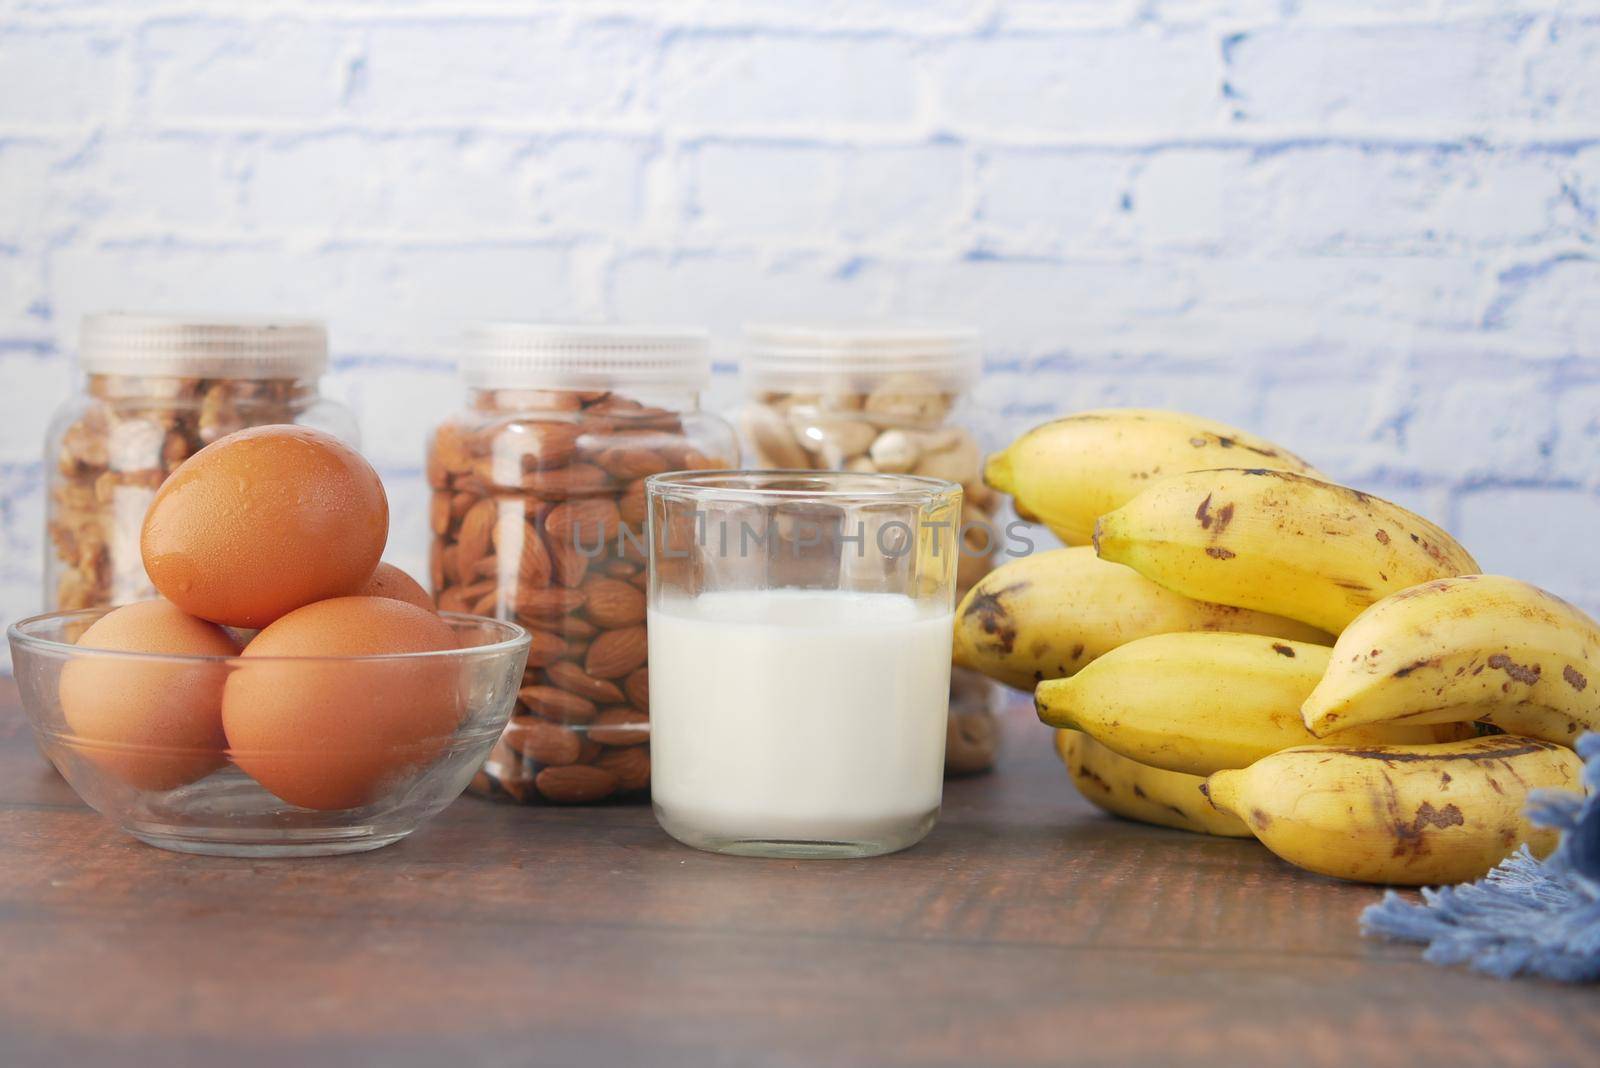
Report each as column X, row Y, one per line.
column 157, row 389
column 896, row 400
column 538, row 514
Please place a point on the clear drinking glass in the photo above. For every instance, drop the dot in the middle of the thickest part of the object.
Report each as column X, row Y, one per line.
column 799, row 632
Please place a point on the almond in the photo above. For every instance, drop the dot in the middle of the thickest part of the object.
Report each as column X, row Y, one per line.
column 569, row 676
column 591, row 751
column 557, row 704
column 543, row 742
column 617, row 652
column 574, row 480
column 486, row 567
column 449, row 455
column 544, row 648
column 568, row 564
column 436, row 566
column 491, row 603
column 540, row 444
column 449, row 564
column 637, row 687
column 439, row 513
column 551, row 602
column 632, row 505
column 566, row 626
column 613, row 603
column 584, row 522
column 629, row 464
column 620, row 725
column 517, row 540
column 631, row 766
column 576, row 784
column 477, row 527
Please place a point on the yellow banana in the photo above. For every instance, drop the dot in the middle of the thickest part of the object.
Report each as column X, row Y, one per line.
column 1482, row 647
column 1198, row 703
column 1069, row 472
column 1413, row 815
column 1136, row 792
column 1047, row 615
column 1277, row 542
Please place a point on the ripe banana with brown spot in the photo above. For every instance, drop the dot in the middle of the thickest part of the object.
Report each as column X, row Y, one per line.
column 1048, row 615
column 1482, row 647
column 1198, row 703
column 1277, row 542
column 1069, row 472
column 1412, row 815
column 1137, row 792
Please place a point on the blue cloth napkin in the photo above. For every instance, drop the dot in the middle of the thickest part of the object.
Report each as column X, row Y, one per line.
column 1526, row 917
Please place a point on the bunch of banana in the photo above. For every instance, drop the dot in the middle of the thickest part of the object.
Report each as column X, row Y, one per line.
column 1405, row 814
column 1198, row 703
column 1137, row 792
column 1048, row 615
column 1482, row 647
column 1278, row 542
column 1069, row 472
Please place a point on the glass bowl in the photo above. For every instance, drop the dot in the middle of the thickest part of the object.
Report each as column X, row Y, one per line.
column 200, row 799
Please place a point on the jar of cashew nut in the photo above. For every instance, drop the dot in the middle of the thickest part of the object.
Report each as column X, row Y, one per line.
column 538, row 514
column 157, row 389
column 894, row 400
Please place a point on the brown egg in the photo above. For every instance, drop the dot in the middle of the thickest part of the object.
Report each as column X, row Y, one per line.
column 334, row 734
column 263, row 521
column 153, row 724
column 390, row 581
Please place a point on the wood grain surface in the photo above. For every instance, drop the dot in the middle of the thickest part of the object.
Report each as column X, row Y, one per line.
column 1027, row 929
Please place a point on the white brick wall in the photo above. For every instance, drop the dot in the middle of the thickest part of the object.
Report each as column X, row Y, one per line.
column 1366, row 228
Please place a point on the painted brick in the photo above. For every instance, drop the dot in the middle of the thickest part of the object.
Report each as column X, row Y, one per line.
column 1549, row 301
column 1460, row 74
column 33, row 384
column 1563, row 74
column 742, row 190
column 1575, row 411
column 200, row 68
column 1044, row 200
column 737, row 79
column 1146, row 80
column 381, row 299
column 1463, row 429
column 58, row 75
column 725, row 291
column 145, row 183
column 1364, row 228
column 477, row 68
column 908, row 196
column 25, row 299
column 1354, row 199
column 1544, row 536
column 1051, row 306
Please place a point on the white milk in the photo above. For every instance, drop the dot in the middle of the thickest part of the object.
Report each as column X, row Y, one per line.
column 799, row 715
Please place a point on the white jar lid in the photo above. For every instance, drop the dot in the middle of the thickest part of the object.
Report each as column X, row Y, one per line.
column 550, row 356
column 202, row 346
column 806, row 358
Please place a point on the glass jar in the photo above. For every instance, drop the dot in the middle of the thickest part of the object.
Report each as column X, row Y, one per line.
column 890, row 400
column 157, row 389
column 538, row 515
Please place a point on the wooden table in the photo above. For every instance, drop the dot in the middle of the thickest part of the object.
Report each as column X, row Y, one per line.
column 1027, row 929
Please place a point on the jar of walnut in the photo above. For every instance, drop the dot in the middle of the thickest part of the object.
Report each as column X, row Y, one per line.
column 895, row 400
column 538, row 514
column 157, row 389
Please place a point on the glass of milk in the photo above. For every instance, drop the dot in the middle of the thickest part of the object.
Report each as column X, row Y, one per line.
column 799, row 628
